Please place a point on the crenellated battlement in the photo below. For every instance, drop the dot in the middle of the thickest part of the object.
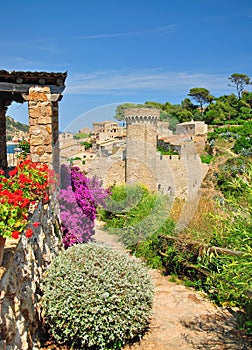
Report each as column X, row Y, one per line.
column 142, row 115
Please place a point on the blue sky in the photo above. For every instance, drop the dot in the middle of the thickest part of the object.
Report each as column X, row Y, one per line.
column 126, row 51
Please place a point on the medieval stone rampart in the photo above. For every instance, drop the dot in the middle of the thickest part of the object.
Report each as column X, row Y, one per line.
column 179, row 175
column 111, row 170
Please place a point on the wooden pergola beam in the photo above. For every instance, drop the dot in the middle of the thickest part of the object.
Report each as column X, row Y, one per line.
column 24, row 88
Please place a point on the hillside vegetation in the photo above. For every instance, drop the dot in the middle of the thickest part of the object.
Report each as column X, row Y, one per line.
column 13, row 128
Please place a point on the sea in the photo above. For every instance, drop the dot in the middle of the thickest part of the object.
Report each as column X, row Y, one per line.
column 11, row 148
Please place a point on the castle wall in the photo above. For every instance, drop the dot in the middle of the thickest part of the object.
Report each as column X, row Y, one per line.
column 200, row 143
column 111, row 170
column 179, row 176
column 172, row 175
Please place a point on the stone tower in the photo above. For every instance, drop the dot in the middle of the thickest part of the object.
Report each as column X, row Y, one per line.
column 141, row 146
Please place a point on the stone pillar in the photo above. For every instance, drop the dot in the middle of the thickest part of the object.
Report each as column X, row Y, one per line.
column 43, row 120
column 141, row 146
column 3, row 151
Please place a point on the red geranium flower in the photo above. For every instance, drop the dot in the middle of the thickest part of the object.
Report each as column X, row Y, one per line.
column 13, row 172
column 29, row 233
column 26, row 183
column 15, row 234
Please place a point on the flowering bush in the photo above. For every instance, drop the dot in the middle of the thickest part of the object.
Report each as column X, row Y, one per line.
column 22, row 186
column 79, row 198
column 96, row 297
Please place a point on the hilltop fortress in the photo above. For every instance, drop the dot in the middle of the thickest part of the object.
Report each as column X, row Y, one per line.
column 137, row 160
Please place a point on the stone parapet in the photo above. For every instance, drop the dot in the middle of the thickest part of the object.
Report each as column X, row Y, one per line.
column 20, row 283
column 142, row 115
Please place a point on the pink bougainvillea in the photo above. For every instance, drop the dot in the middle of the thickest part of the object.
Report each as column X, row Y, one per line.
column 79, row 198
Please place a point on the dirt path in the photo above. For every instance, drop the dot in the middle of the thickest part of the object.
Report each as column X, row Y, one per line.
column 182, row 318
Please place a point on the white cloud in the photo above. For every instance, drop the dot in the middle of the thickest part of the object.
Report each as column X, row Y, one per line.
column 160, row 30
column 120, row 82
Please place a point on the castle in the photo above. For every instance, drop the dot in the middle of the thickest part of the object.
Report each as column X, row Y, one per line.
column 140, row 162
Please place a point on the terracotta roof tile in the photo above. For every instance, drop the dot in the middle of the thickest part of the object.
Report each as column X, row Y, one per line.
column 40, row 78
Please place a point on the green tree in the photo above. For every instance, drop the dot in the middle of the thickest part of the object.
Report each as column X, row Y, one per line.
column 247, row 97
column 119, row 112
column 225, row 108
column 201, row 95
column 185, row 115
column 152, row 104
column 239, row 81
column 187, row 104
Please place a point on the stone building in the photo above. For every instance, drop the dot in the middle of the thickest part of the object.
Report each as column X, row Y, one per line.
column 197, row 130
column 68, row 146
column 108, row 126
column 106, row 130
column 177, row 175
column 42, row 91
column 193, row 128
column 85, row 131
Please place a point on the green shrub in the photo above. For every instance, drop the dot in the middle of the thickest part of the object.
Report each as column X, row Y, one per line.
column 244, row 142
column 96, row 297
column 168, row 152
column 80, row 135
column 134, row 213
column 206, row 158
column 86, row 144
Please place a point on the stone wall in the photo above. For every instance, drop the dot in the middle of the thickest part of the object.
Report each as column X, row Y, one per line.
column 179, row 176
column 111, row 170
column 20, row 283
column 175, row 175
column 200, row 143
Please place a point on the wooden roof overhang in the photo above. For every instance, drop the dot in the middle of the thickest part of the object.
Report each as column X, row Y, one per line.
column 15, row 83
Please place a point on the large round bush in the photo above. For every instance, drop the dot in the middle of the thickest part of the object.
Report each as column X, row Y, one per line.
column 96, row 297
